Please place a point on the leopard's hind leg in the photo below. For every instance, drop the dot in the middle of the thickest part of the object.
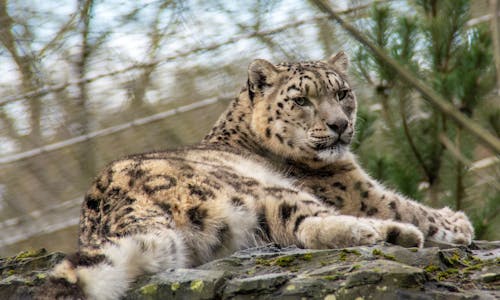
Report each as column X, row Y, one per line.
column 108, row 272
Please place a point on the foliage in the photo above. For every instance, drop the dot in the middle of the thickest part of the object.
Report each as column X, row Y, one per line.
column 434, row 41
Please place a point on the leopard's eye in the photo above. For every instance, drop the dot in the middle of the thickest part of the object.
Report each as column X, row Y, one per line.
column 341, row 94
column 301, row 101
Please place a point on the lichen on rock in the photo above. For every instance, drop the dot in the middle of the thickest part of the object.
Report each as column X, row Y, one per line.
column 381, row 271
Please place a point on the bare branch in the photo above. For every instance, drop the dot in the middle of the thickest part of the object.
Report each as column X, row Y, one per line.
column 484, row 163
column 59, row 35
column 54, row 88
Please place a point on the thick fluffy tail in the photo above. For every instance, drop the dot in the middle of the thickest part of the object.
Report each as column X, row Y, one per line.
column 109, row 273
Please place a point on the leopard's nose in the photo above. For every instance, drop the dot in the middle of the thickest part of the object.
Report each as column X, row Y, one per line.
column 338, row 126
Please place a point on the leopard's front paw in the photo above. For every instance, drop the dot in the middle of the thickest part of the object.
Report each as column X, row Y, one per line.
column 402, row 234
column 455, row 228
column 337, row 232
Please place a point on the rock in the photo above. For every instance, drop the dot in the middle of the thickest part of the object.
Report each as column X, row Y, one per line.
column 179, row 284
column 21, row 273
column 258, row 286
column 371, row 272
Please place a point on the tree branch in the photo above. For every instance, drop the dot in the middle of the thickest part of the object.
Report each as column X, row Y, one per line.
column 409, row 138
column 495, row 34
column 59, row 35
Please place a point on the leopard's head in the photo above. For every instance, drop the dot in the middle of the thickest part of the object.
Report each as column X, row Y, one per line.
column 303, row 110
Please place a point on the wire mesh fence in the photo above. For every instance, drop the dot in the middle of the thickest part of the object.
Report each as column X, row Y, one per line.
column 91, row 81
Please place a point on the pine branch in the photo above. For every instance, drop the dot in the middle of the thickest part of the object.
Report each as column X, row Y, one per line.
column 409, row 138
column 455, row 151
column 495, row 32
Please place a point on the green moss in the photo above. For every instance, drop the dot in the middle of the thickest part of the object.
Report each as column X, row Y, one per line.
column 10, row 272
column 343, row 256
column 291, row 288
column 262, row 261
column 431, row 268
column 472, row 261
column 478, row 260
column 451, row 260
column 455, row 258
column 413, row 249
column 30, row 253
column 197, row 286
column 29, row 282
column 306, row 257
column 175, row 286
column 389, row 256
column 149, row 289
column 352, row 251
column 441, row 276
column 446, row 274
column 331, row 277
column 284, row 261
column 474, row 267
column 377, row 252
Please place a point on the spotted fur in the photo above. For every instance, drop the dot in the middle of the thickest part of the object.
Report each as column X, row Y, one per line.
column 276, row 167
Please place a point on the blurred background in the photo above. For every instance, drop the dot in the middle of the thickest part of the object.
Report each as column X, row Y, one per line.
column 85, row 82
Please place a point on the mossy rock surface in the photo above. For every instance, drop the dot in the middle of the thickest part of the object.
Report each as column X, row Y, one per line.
column 376, row 272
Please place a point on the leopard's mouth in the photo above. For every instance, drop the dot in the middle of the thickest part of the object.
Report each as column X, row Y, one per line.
column 330, row 144
column 320, row 143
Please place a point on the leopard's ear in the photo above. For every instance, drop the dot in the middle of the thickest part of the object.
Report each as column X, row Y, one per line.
column 261, row 75
column 339, row 61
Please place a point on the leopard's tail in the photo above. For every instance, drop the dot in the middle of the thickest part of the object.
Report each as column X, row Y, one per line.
column 108, row 272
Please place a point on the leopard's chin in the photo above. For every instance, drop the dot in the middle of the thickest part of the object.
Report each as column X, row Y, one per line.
column 333, row 153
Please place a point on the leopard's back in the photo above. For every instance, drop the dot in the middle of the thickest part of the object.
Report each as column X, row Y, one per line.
column 192, row 191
